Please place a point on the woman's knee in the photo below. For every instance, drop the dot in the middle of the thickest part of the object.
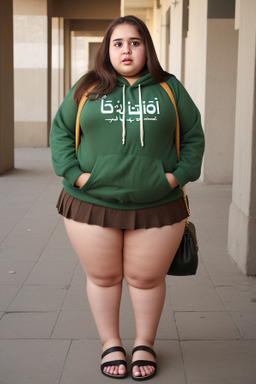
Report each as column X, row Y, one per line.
column 105, row 280
column 143, row 281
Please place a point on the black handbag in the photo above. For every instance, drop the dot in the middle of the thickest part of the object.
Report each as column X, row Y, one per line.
column 185, row 261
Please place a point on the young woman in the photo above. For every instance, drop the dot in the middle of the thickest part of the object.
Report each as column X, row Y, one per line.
column 122, row 197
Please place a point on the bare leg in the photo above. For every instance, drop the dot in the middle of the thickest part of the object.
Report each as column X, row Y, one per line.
column 100, row 253
column 147, row 256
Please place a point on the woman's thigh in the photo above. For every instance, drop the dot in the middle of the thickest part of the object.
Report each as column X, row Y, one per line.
column 148, row 253
column 100, row 250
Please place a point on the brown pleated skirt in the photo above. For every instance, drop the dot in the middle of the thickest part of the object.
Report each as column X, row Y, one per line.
column 159, row 216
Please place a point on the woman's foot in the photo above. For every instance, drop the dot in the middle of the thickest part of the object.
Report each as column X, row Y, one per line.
column 144, row 363
column 114, row 366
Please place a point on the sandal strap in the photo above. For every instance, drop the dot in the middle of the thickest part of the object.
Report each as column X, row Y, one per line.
column 113, row 349
column 142, row 363
column 114, row 362
column 144, row 348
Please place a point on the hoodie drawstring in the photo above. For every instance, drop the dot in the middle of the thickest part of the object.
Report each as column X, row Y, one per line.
column 123, row 121
column 141, row 118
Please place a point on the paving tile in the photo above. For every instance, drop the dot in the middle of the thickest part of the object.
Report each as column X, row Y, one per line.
column 170, row 362
column 19, row 255
column 59, row 240
column 220, row 268
column 206, row 325
column 76, row 298
column 27, row 325
column 57, row 255
column 32, row 361
column 52, row 273
column 193, row 293
column 38, row 299
column 79, row 277
column 6, row 225
column 13, row 272
column 75, row 325
column 82, row 366
column 22, row 243
column 7, row 294
column 222, row 362
column 246, row 323
column 238, row 297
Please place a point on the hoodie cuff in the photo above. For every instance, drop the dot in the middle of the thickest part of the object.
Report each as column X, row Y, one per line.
column 180, row 177
column 72, row 174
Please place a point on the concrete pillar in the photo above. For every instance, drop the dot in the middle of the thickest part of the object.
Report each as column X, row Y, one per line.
column 210, row 77
column 242, row 216
column 6, row 87
column 67, row 56
column 196, row 51
column 220, row 99
column 31, row 72
column 176, row 46
column 57, row 65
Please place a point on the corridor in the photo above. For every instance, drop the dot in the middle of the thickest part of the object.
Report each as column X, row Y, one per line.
column 207, row 333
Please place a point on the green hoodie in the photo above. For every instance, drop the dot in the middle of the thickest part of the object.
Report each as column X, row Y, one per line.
column 127, row 143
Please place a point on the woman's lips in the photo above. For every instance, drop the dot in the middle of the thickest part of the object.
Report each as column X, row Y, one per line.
column 127, row 61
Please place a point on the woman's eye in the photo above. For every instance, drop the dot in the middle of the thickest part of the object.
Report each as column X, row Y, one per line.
column 118, row 44
column 135, row 43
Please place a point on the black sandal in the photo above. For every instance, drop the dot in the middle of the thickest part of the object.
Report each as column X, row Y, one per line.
column 114, row 362
column 141, row 363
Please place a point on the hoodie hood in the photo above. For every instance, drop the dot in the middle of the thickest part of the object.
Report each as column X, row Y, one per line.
column 144, row 80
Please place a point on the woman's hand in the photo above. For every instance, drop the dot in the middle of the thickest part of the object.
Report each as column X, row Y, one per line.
column 82, row 179
column 172, row 180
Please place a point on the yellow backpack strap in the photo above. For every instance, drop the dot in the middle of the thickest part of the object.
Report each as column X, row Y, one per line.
column 177, row 135
column 80, row 107
column 177, row 129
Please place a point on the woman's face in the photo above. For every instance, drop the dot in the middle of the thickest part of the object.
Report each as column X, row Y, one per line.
column 127, row 52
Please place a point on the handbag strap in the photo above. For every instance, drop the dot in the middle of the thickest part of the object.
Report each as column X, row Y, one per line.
column 177, row 135
column 177, row 129
column 80, row 107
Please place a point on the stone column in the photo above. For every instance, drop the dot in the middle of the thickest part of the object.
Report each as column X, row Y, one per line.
column 31, row 73
column 6, row 87
column 242, row 217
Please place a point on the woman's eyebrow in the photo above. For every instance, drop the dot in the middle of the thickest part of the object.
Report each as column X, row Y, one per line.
column 130, row 38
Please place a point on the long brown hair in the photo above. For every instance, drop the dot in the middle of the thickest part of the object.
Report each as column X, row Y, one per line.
column 104, row 75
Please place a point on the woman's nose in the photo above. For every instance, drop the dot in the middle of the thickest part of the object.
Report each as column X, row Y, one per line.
column 126, row 48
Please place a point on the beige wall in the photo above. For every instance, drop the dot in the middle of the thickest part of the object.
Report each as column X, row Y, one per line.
column 80, row 55
column 30, row 72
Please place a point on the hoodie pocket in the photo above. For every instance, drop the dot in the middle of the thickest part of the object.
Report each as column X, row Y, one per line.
column 129, row 178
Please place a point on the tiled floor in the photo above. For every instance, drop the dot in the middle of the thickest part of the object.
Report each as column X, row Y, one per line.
column 207, row 334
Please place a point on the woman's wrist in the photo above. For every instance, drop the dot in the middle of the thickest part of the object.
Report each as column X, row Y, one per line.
column 82, row 179
column 172, row 180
